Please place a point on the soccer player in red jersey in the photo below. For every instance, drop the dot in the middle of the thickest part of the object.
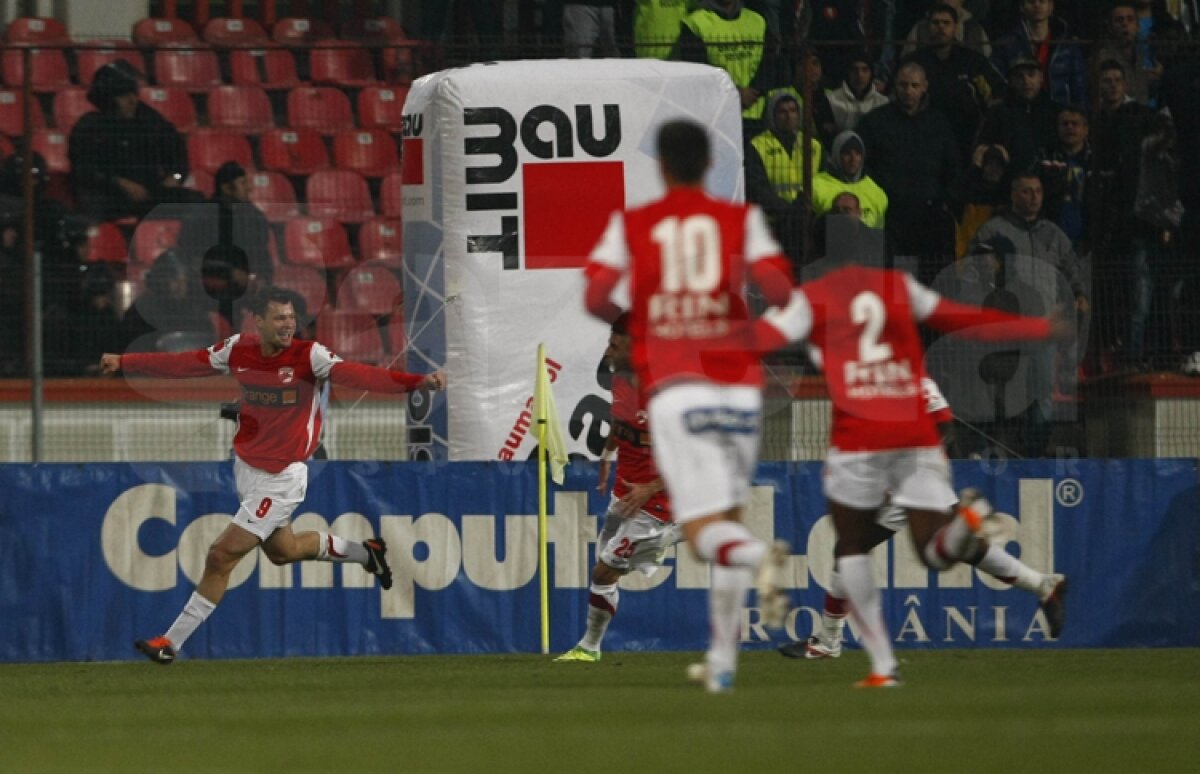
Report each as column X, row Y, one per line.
column 637, row 526
column 688, row 258
column 862, row 321
column 1050, row 588
column 279, row 427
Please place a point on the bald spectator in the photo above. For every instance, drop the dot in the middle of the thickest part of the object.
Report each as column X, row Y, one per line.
column 912, row 154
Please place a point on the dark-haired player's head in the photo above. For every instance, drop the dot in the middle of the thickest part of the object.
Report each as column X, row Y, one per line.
column 275, row 317
column 619, row 353
column 683, row 152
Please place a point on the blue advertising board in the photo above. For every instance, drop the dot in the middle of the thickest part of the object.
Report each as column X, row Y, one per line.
column 94, row 556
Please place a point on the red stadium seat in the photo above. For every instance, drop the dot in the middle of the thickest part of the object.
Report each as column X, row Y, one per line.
column 224, row 32
column 70, row 105
column 106, row 243
column 12, row 113
column 338, row 194
column 371, row 288
column 294, row 152
column 6, row 147
column 382, row 29
column 35, row 30
column 240, row 108
column 323, row 108
column 381, row 240
column 152, row 33
column 173, row 104
column 152, row 237
column 274, row 195
column 342, row 66
column 308, row 282
column 390, row 190
column 270, row 68
column 371, row 153
column 52, row 144
column 208, row 149
column 293, row 31
column 90, row 59
column 317, row 242
column 193, row 69
column 47, row 67
column 382, row 107
column 352, row 334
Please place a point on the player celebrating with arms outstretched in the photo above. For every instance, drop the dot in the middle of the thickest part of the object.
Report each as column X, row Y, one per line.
column 863, row 322
column 688, row 258
column 279, row 427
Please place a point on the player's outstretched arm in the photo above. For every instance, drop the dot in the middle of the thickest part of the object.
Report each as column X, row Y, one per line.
column 376, row 379
column 172, row 365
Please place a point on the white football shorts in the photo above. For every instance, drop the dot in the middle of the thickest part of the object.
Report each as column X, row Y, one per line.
column 916, row 478
column 268, row 499
column 635, row 542
column 706, row 445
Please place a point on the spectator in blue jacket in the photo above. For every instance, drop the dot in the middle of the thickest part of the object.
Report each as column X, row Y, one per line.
column 1048, row 41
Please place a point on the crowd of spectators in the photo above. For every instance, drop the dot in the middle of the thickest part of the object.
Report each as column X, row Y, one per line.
column 1067, row 133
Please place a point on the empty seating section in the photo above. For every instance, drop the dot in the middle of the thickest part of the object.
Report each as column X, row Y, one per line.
column 370, row 152
column 174, row 104
column 230, row 33
column 382, row 107
column 240, row 108
column 208, row 149
column 192, row 69
column 311, row 116
column 296, row 152
column 323, row 108
column 319, row 243
column 270, row 68
column 338, row 194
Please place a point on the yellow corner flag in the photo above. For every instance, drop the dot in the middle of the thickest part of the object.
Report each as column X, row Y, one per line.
column 550, row 445
column 545, row 417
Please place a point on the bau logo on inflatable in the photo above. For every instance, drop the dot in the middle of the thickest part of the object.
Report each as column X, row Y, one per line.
column 558, row 203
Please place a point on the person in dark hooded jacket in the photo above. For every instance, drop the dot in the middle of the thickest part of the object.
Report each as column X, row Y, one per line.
column 125, row 157
column 845, row 172
column 1026, row 121
column 1047, row 40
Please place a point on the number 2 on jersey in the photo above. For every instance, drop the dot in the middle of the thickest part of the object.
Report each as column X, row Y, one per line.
column 691, row 253
column 867, row 310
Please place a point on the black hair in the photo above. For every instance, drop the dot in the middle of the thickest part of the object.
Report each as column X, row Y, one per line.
column 1111, row 64
column 683, row 150
column 620, row 326
column 273, row 295
column 946, row 9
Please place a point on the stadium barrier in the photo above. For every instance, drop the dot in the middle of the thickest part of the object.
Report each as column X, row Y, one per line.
column 93, row 556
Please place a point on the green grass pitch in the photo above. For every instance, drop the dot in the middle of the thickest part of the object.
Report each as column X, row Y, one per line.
column 961, row 711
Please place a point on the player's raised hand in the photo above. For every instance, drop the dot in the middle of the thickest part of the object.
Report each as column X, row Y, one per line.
column 435, row 381
column 110, row 364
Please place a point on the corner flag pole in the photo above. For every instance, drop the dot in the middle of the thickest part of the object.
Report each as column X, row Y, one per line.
column 543, row 551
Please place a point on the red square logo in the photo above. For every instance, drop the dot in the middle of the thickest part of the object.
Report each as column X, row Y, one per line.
column 567, row 206
column 412, row 169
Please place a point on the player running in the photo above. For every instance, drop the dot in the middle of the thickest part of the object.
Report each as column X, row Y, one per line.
column 1050, row 588
column 637, row 526
column 863, row 321
column 688, row 258
column 279, row 426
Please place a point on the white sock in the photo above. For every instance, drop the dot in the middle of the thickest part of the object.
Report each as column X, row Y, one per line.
column 331, row 548
column 950, row 544
column 725, row 600
column 866, row 607
column 194, row 613
column 730, row 544
column 1010, row 569
column 602, row 606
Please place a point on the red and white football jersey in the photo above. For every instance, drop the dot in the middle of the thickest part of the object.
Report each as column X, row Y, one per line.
column 863, row 322
column 635, row 458
column 688, row 257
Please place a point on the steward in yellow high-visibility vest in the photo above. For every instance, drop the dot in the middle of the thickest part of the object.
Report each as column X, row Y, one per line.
column 656, row 25
column 724, row 34
column 775, row 170
column 844, row 173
